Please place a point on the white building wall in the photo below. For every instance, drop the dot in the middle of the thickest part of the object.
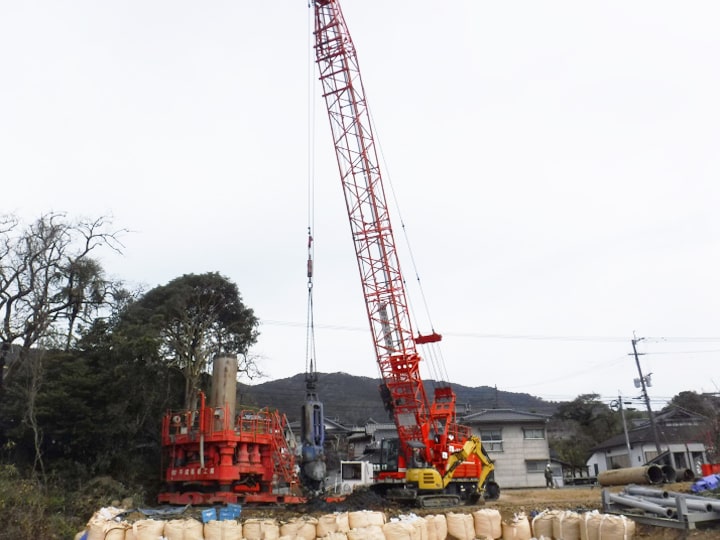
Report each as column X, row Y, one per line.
column 510, row 464
column 596, row 464
column 600, row 461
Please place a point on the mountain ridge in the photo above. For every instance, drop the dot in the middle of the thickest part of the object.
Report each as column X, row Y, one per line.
column 353, row 400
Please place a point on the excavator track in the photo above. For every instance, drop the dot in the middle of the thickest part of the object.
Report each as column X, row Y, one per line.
column 438, row 501
column 410, row 497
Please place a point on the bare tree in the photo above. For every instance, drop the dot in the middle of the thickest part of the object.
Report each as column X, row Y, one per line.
column 48, row 280
column 49, row 283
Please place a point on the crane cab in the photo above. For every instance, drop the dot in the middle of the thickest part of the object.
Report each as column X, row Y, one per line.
column 404, row 478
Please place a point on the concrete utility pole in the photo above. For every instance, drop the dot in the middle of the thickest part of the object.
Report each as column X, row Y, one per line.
column 622, row 415
column 646, row 397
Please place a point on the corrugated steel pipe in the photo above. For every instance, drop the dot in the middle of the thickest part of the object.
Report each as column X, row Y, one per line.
column 669, row 474
column 691, row 504
column 648, row 474
column 636, row 502
column 647, row 492
column 668, row 498
column 685, row 475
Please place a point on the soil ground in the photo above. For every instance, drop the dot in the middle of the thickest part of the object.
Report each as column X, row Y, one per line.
column 511, row 502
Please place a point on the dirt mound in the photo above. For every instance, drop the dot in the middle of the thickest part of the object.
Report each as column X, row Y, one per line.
column 360, row 499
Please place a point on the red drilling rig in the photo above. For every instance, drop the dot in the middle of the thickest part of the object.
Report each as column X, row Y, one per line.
column 217, row 455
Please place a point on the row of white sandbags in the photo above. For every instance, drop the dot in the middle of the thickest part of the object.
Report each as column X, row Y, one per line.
column 547, row 525
column 487, row 523
column 371, row 525
column 105, row 525
column 568, row 525
column 155, row 529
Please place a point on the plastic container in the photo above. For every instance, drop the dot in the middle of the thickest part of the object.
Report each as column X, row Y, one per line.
column 227, row 513
column 209, row 514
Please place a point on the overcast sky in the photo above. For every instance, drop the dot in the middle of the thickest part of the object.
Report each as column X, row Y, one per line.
column 556, row 166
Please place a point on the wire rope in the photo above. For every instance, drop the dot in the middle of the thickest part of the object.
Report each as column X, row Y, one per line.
column 310, row 349
column 434, row 358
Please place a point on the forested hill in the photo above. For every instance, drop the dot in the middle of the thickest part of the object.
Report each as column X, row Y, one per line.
column 353, row 400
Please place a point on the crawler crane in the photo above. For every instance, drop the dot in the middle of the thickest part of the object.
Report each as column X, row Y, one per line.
column 434, row 461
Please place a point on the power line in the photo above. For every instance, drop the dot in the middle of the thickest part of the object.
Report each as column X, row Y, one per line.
column 604, row 365
column 521, row 337
column 682, row 352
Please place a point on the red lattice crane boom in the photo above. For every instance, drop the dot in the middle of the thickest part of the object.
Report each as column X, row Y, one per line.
column 427, row 433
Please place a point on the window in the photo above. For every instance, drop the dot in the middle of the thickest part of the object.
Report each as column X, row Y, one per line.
column 680, row 460
column 492, row 440
column 533, row 433
column 536, row 465
column 351, row 471
column 619, row 462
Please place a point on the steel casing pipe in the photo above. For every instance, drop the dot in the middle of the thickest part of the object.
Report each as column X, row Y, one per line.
column 648, row 474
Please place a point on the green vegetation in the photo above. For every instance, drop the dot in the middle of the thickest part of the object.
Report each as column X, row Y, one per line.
column 87, row 370
column 51, row 511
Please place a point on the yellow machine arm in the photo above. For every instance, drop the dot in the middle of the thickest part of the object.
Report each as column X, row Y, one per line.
column 472, row 446
column 429, row 481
